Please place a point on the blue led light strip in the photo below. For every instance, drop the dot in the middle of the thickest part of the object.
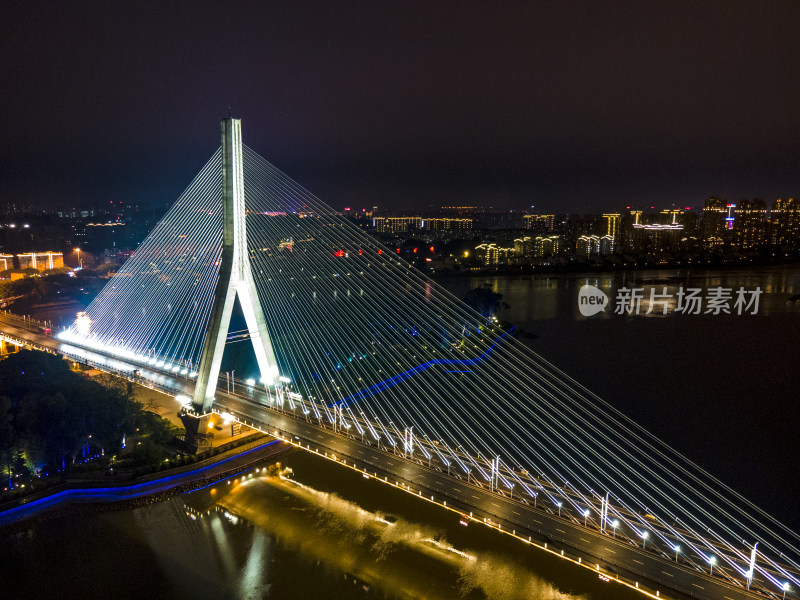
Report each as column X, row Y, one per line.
column 120, row 493
column 387, row 383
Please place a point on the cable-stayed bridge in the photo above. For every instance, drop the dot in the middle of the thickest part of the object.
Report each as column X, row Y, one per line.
column 360, row 353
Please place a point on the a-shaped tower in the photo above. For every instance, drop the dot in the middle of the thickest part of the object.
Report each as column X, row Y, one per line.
column 235, row 277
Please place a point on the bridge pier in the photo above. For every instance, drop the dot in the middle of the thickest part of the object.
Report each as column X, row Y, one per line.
column 197, row 430
column 8, row 348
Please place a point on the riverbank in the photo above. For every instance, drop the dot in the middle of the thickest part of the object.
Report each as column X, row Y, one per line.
column 101, row 494
column 581, row 268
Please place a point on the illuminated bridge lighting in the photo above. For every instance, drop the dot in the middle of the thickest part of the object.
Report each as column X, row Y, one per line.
column 368, row 346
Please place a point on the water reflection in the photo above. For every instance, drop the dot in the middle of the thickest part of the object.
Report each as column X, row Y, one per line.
column 545, row 297
column 376, row 552
column 265, row 537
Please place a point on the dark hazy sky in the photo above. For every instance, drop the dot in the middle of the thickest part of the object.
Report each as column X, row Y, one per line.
column 561, row 105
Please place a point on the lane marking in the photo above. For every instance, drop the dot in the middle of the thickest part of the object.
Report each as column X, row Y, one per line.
column 670, row 574
column 561, row 530
column 638, row 561
column 476, row 498
column 516, row 513
column 494, row 504
column 610, row 550
column 698, row 586
column 585, row 540
column 455, row 489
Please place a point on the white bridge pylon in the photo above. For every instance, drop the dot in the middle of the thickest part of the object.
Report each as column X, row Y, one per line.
column 235, row 278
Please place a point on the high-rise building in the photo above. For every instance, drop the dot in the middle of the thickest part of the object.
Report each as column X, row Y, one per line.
column 397, row 224
column 6, row 262
column 670, row 216
column 539, row 223
column 493, row 255
column 785, row 222
column 607, row 245
column 546, row 245
column 446, row 224
column 631, row 235
column 487, row 254
column 611, row 222
column 750, row 225
column 587, row 245
column 716, row 221
column 523, row 246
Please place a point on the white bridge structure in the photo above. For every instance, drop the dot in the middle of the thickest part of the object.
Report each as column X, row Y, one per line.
column 351, row 340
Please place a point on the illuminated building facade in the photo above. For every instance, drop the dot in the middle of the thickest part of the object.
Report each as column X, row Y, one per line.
column 587, row 245
column 397, row 224
column 715, row 222
column 447, row 224
column 541, row 223
column 523, row 246
column 607, row 245
column 42, row 261
column 750, row 224
column 785, row 222
column 492, row 255
column 546, row 245
column 611, row 225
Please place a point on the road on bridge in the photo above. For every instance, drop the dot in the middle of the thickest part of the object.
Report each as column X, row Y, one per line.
column 613, row 554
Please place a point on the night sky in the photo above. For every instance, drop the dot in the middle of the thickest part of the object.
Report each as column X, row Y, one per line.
column 567, row 106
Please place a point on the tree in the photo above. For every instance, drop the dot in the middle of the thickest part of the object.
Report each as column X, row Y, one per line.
column 50, row 415
column 6, row 435
column 484, row 300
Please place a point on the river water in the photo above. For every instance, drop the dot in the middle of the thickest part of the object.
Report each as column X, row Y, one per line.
column 326, row 533
column 722, row 389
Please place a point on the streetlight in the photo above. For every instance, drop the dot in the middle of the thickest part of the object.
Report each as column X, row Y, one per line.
column 558, row 504
column 585, row 516
column 644, row 540
column 785, row 588
column 677, row 549
column 712, row 560
column 614, row 525
column 80, row 262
